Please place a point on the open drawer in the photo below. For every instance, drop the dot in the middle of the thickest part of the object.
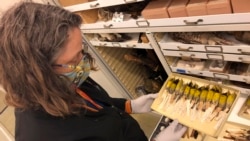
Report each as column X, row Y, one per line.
column 201, row 104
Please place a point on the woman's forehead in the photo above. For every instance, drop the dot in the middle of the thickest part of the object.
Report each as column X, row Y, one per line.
column 72, row 46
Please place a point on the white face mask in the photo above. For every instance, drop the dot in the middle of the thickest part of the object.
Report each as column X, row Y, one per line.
column 80, row 72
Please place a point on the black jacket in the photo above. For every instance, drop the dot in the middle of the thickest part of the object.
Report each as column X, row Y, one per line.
column 109, row 124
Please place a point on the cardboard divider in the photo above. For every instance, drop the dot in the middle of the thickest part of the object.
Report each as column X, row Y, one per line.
column 218, row 7
column 245, row 109
column 240, row 6
column 197, row 7
column 178, row 8
column 156, row 9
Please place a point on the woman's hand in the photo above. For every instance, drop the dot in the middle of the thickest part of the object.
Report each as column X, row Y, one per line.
column 173, row 132
column 143, row 103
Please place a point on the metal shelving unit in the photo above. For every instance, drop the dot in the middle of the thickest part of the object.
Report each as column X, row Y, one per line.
column 125, row 74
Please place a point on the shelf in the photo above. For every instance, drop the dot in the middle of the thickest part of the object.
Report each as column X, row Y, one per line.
column 222, row 22
column 130, row 23
column 132, row 43
column 212, row 74
column 237, row 48
column 202, row 20
column 212, row 56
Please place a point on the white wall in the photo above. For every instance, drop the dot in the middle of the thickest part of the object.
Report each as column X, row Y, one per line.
column 5, row 4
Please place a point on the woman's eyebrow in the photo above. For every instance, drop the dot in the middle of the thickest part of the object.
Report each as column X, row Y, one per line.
column 77, row 56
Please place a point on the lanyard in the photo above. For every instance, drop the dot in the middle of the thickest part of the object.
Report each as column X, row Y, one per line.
column 86, row 97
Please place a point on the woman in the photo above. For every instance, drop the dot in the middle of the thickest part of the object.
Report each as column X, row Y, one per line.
column 44, row 71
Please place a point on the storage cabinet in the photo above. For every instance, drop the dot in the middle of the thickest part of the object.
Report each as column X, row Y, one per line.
column 237, row 53
column 168, row 51
column 133, row 63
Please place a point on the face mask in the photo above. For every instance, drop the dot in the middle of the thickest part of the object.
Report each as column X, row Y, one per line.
column 80, row 73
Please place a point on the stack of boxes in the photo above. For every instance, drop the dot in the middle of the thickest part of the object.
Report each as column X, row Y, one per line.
column 157, row 9
column 241, row 6
column 177, row 8
column 182, row 8
column 197, row 7
column 218, row 7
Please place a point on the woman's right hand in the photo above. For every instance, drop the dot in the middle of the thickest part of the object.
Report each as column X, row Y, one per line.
column 173, row 132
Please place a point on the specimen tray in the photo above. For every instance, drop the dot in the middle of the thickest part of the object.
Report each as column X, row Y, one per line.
column 209, row 127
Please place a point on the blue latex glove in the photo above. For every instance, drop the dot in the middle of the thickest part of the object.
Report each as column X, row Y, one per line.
column 143, row 103
column 173, row 132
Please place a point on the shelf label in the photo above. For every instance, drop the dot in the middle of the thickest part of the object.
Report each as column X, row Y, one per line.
column 222, row 76
column 180, row 71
